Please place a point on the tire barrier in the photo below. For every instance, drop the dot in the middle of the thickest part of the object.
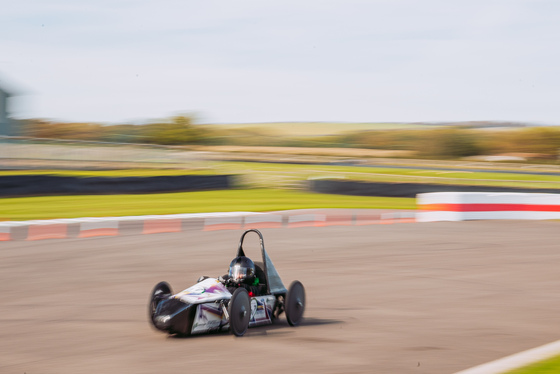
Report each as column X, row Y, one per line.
column 174, row 223
column 355, row 188
column 462, row 206
column 36, row 185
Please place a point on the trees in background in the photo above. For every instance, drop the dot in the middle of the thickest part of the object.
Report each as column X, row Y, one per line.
column 45, row 129
column 440, row 142
column 177, row 130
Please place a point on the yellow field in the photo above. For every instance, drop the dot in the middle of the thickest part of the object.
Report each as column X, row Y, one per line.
column 316, row 128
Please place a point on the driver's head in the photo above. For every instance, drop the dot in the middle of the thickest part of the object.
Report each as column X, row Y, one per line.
column 242, row 270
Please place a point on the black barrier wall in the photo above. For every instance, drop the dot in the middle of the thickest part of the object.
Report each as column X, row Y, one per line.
column 405, row 189
column 37, row 185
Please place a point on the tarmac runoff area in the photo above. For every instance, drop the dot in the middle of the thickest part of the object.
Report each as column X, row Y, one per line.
column 412, row 298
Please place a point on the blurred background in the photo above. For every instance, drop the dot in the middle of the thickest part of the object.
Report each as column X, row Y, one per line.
column 151, row 83
column 329, row 115
column 279, row 94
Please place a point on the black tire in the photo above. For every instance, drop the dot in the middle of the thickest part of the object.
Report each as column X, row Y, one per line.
column 294, row 305
column 160, row 292
column 239, row 310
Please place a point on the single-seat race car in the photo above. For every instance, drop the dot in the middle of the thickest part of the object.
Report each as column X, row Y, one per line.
column 209, row 306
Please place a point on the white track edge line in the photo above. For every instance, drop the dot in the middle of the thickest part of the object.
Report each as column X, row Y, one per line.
column 516, row 360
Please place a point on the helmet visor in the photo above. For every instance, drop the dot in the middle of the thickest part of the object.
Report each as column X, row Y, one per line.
column 237, row 272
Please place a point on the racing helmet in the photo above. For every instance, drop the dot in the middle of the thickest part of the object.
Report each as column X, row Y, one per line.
column 242, row 270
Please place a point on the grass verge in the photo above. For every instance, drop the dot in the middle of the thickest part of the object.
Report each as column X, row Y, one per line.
column 550, row 366
column 388, row 174
column 261, row 182
column 268, row 175
column 254, row 200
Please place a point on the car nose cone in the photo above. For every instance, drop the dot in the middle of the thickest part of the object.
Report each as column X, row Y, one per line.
column 163, row 322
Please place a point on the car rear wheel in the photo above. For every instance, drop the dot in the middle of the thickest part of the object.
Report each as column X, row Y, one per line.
column 160, row 292
column 239, row 310
column 294, row 304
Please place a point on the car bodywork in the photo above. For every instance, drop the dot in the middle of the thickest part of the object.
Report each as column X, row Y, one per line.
column 205, row 306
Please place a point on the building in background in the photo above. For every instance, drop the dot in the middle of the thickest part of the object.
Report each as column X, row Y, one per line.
column 6, row 125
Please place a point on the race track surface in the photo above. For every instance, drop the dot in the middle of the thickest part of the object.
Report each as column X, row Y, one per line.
column 408, row 298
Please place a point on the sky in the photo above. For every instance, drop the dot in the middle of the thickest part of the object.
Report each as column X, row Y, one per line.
column 223, row 61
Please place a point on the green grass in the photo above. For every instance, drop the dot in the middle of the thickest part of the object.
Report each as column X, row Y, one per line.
column 550, row 366
column 257, row 174
column 263, row 187
column 270, row 175
column 254, row 200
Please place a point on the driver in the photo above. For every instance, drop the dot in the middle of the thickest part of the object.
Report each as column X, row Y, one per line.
column 242, row 274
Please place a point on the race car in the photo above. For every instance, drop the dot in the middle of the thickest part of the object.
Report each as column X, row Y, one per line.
column 209, row 306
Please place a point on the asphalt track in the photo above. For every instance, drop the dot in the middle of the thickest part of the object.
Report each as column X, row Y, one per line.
column 407, row 298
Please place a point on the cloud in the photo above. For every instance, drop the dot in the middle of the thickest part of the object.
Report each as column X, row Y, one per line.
column 285, row 60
